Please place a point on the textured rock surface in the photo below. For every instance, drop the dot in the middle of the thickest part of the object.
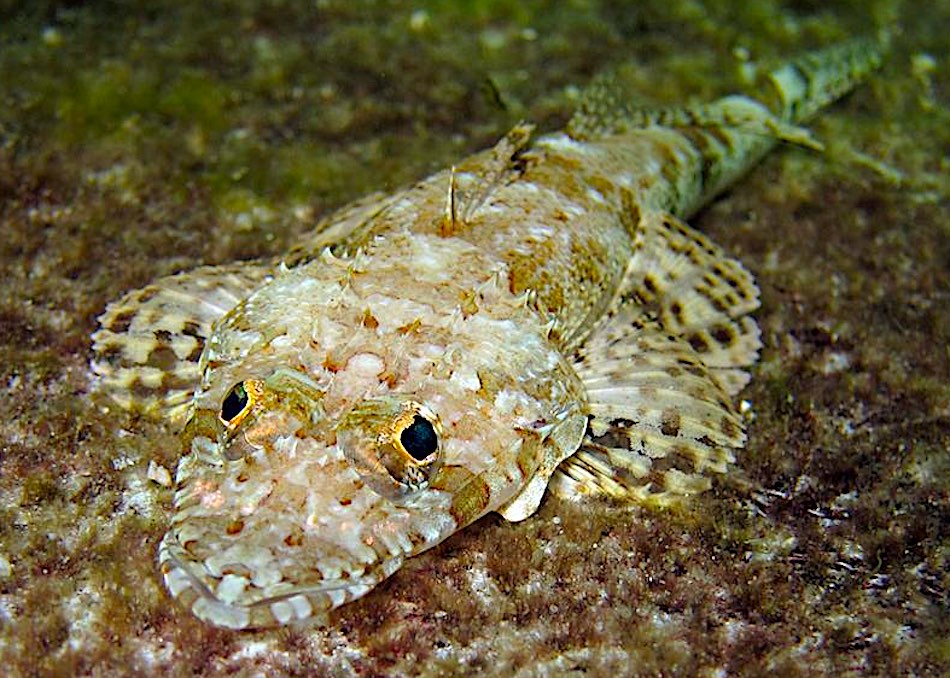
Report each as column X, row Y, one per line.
column 136, row 144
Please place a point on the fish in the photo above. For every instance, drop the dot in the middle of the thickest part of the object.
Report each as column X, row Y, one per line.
column 538, row 318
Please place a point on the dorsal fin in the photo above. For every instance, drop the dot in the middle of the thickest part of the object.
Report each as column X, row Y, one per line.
column 473, row 181
column 728, row 136
column 604, row 112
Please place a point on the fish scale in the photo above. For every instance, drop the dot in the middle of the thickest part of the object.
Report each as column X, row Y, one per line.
column 536, row 317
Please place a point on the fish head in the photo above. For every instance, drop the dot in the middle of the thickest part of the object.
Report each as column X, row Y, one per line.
column 347, row 437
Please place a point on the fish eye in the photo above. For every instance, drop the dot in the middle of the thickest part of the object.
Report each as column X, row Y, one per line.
column 419, row 438
column 394, row 444
column 235, row 403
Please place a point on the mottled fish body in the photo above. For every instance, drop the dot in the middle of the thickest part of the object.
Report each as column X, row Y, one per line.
column 537, row 316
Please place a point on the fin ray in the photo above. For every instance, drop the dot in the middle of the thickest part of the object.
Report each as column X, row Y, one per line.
column 149, row 342
column 696, row 291
column 660, row 420
column 343, row 231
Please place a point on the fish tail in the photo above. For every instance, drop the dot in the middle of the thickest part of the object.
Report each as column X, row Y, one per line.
column 706, row 148
column 805, row 85
column 732, row 134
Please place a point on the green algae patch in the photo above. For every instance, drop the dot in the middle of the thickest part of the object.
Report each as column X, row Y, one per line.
column 195, row 99
column 104, row 99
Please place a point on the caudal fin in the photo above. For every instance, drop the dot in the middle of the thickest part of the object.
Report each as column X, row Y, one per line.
column 807, row 84
column 720, row 141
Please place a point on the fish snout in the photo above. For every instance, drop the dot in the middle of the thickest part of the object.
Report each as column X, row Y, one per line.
column 248, row 586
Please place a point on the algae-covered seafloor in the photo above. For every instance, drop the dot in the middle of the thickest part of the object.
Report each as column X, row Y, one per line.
column 138, row 142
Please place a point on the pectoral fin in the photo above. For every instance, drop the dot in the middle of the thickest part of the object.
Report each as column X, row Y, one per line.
column 149, row 342
column 660, row 422
column 696, row 292
column 662, row 370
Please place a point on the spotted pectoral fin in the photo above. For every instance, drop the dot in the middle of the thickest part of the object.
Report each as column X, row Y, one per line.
column 149, row 342
column 696, row 291
column 562, row 443
column 660, row 420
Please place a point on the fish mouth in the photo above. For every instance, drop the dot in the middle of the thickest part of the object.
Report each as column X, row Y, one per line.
column 233, row 601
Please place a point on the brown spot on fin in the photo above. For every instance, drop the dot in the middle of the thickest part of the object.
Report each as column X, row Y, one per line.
column 660, row 422
column 697, row 292
column 149, row 342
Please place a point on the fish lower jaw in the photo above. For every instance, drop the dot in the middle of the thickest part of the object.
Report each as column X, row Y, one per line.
column 187, row 580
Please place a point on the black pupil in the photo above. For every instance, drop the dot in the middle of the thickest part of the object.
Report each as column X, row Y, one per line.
column 419, row 438
column 234, row 403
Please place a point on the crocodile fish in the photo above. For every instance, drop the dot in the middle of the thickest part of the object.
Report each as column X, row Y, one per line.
column 538, row 316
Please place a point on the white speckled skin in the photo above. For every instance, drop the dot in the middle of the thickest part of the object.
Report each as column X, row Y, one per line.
column 290, row 514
